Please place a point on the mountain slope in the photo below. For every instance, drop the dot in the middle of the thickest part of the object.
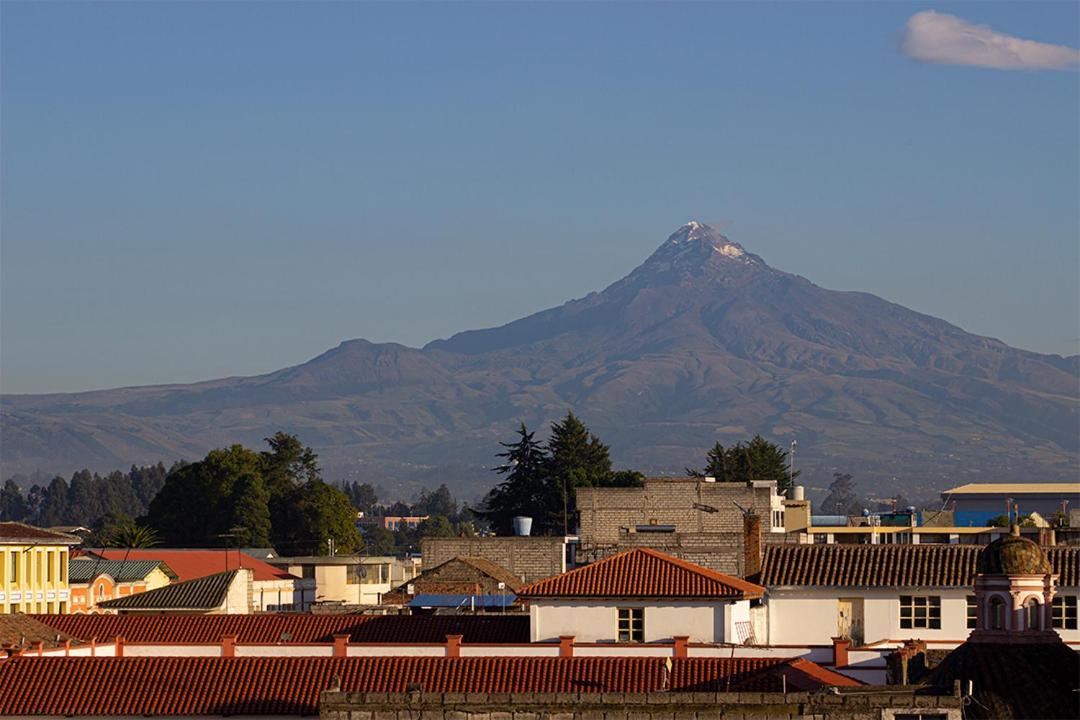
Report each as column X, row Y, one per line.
column 704, row 340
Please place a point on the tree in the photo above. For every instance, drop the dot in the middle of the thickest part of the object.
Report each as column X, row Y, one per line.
column 436, row 526
column 756, row 460
column 251, row 511
column 313, row 514
column 198, row 504
column 440, row 502
column 12, row 504
column 362, row 496
column 842, row 499
column 625, row 478
column 288, row 464
column 379, row 541
column 525, row 489
column 120, row 531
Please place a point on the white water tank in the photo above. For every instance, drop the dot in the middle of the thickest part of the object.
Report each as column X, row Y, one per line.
column 797, row 492
column 522, row 525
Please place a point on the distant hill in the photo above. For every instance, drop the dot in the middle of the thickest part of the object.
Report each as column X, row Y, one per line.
column 703, row 341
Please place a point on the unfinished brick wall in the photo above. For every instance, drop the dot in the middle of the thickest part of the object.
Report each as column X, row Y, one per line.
column 610, row 517
column 527, row 558
column 879, row 703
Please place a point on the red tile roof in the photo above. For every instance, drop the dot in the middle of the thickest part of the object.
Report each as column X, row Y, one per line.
column 19, row 532
column 272, row 686
column 191, row 564
column 642, row 572
column 22, row 631
column 890, row 565
column 265, row 629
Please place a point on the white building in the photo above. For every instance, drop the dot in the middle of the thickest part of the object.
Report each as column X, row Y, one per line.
column 640, row 596
column 876, row 594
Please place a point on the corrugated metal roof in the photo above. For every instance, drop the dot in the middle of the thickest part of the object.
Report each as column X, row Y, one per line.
column 204, row 593
column 84, row 569
column 890, row 565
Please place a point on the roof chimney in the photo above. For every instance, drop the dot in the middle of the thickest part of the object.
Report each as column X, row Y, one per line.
column 751, row 544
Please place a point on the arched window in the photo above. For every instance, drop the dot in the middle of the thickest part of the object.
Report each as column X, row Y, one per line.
column 997, row 614
column 1033, row 612
column 101, row 592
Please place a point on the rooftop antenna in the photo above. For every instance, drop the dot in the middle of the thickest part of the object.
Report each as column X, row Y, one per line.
column 791, row 464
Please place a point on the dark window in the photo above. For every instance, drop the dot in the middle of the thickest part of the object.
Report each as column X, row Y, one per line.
column 1064, row 612
column 920, row 611
column 1032, row 609
column 631, row 624
column 997, row 614
column 972, row 612
column 308, row 572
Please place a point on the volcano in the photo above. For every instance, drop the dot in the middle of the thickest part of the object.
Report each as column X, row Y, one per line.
column 704, row 341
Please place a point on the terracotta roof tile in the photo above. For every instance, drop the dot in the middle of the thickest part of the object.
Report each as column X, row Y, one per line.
column 191, row 564
column 642, row 572
column 271, row 686
column 890, row 565
column 22, row 631
column 263, row 629
column 205, row 593
column 18, row 532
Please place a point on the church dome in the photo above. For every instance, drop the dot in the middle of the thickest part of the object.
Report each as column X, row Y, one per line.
column 1012, row 555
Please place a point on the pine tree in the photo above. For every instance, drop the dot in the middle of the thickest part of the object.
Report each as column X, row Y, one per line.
column 525, row 490
column 12, row 504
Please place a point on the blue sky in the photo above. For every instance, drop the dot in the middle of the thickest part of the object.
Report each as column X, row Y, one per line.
column 194, row 190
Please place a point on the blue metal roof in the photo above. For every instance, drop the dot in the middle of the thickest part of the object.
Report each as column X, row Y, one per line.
column 465, row 602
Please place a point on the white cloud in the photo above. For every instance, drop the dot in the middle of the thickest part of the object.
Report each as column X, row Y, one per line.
column 939, row 38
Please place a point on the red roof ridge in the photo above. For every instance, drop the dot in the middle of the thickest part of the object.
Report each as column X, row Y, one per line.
column 826, row 676
column 602, row 579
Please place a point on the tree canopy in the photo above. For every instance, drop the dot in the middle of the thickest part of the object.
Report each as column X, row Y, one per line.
column 757, row 459
column 541, row 480
column 237, row 497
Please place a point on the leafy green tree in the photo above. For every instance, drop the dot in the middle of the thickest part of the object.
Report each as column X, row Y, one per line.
column 625, row 478
column 288, row 464
column 756, row 460
column 251, row 511
column 12, row 503
column 197, row 506
column 362, row 496
column 120, row 531
column 54, row 507
column 525, row 489
column 315, row 513
column 439, row 502
column 436, row 526
column 379, row 541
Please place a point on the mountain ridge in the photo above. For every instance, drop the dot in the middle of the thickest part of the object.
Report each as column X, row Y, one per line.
column 702, row 341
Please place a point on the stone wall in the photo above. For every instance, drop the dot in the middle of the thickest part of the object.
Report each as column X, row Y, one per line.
column 527, row 558
column 862, row 703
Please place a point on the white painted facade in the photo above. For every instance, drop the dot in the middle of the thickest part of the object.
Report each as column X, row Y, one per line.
column 598, row 620
column 811, row 615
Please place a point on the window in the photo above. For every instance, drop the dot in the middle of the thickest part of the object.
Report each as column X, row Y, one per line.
column 631, row 624
column 14, row 577
column 919, row 611
column 972, row 612
column 997, row 614
column 307, row 572
column 1064, row 612
column 63, row 568
column 1032, row 610
column 48, row 566
column 63, row 607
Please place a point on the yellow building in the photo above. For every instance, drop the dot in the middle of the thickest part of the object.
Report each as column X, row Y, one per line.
column 34, row 569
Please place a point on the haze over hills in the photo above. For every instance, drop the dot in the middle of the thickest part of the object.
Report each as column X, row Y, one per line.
column 703, row 341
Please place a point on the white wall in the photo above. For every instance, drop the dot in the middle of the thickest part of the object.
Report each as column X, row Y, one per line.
column 808, row 616
column 598, row 620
